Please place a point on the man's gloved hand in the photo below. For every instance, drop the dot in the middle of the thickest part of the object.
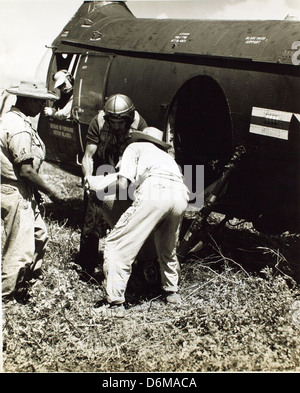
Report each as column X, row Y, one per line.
column 49, row 111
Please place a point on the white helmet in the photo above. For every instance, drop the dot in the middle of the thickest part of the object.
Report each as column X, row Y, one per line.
column 60, row 77
column 119, row 106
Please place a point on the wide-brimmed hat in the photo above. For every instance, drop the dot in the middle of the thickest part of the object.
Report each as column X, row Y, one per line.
column 33, row 90
column 150, row 134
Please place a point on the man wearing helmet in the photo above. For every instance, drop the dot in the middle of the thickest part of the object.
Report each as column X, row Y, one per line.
column 107, row 137
column 109, row 132
column 62, row 107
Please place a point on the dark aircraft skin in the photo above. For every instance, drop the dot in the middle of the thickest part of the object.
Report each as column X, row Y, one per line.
column 210, row 85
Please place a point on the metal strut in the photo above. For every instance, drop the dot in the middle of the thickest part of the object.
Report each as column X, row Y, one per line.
column 193, row 234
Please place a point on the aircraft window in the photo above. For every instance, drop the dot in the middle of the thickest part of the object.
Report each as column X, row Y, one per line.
column 65, row 61
column 90, row 85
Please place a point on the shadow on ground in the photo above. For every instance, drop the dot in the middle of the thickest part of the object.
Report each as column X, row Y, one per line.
column 250, row 249
column 69, row 211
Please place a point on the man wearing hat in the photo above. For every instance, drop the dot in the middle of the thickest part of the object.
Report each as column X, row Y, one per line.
column 160, row 199
column 61, row 109
column 22, row 152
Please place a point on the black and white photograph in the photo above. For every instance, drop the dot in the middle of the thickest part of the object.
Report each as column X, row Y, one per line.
column 150, row 189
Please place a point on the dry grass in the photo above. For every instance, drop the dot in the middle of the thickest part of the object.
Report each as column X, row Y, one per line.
column 232, row 318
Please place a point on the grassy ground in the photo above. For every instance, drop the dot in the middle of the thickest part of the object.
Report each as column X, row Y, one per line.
column 240, row 309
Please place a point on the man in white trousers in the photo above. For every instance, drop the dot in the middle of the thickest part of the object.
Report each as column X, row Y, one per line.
column 160, row 200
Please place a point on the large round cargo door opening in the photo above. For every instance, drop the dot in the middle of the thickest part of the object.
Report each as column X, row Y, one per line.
column 200, row 128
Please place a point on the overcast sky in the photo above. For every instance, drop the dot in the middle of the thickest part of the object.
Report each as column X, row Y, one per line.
column 26, row 26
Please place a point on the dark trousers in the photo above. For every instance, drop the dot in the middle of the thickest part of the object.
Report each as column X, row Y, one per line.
column 94, row 227
column 99, row 217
